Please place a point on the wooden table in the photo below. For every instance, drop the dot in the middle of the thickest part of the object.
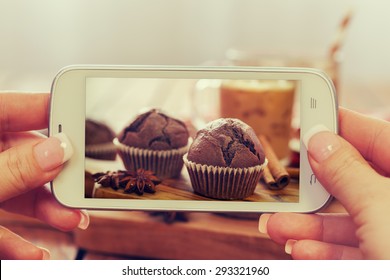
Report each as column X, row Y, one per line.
column 138, row 235
column 203, row 236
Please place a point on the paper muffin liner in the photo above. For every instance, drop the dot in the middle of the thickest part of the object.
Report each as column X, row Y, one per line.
column 223, row 182
column 164, row 163
column 106, row 151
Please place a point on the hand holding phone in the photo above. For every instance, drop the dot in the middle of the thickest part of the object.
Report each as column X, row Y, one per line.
column 276, row 102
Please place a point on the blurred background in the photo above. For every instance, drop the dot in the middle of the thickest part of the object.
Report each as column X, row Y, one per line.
column 40, row 37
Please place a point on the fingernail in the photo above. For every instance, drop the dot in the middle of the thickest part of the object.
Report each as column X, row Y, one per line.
column 45, row 254
column 289, row 245
column 320, row 142
column 84, row 220
column 53, row 151
column 263, row 221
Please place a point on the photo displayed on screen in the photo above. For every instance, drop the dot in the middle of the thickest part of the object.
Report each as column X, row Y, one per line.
column 187, row 139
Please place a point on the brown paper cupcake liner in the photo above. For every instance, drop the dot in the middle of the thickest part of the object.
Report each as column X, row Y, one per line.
column 223, row 182
column 164, row 164
column 106, row 151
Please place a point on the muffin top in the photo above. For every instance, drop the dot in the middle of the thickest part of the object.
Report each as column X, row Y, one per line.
column 227, row 142
column 97, row 133
column 156, row 131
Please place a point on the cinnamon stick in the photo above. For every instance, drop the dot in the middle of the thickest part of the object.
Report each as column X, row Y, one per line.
column 277, row 170
column 269, row 179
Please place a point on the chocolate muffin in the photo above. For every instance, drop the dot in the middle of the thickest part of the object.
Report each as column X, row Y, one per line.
column 156, row 131
column 154, row 141
column 99, row 141
column 225, row 160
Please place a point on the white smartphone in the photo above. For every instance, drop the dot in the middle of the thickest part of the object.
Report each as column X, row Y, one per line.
column 115, row 95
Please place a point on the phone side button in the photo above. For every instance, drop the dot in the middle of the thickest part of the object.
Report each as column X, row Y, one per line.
column 313, row 179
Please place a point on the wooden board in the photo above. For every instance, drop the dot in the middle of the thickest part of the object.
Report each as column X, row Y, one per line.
column 180, row 189
column 135, row 234
column 204, row 236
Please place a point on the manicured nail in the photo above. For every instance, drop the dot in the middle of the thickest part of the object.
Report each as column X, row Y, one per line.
column 45, row 253
column 289, row 245
column 84, row 220
column 311, row 132
column 263, row 221
column 320, row 142
column 53, row 152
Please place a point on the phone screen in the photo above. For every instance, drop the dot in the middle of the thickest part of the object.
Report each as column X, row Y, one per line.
column 270, row 107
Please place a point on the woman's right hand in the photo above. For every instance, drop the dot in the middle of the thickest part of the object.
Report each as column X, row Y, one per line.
column 354, row 167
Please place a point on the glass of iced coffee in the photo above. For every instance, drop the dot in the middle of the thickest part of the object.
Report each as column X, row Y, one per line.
column 265, row 105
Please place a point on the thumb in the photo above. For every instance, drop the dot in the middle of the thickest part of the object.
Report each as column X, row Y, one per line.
column 341, row 169
column 28, row 166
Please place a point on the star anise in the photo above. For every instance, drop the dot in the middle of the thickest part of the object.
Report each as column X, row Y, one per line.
column 139, row 182
column 109, row 178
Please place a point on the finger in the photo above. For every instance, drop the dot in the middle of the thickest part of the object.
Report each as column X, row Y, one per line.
column 19, row 112
column 331, row 228
column 28, row 166
column 14, row 247
column 368, row 136
column 342, row 170
column 11, row 139
column 317, row 250
column 41, row 204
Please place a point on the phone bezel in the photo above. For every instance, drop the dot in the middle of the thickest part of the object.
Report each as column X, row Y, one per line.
column 67, row 114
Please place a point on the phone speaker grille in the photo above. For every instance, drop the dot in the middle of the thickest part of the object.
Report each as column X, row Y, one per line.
column 313, row 103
